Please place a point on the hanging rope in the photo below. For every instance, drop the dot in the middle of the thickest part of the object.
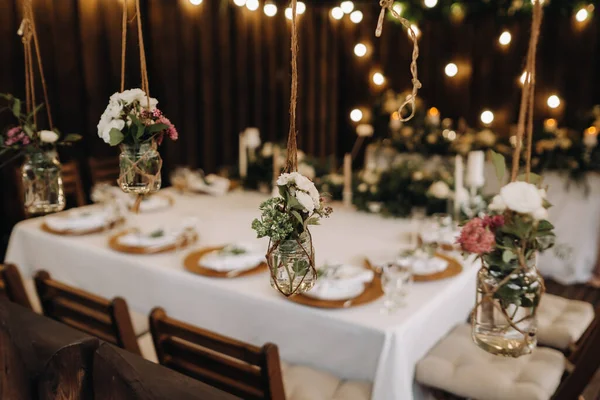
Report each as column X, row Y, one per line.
column 28, row 33
column 291, row 164
column 411, row 98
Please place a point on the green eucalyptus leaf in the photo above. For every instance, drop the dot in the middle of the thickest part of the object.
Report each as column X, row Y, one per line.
column 16, row 108
column 72, row 137
column 545, row 225
column 298, row 217
column 116, row 136
column 499, row 165
column 294, row 203
column 156, row 128
column 313, row 221
column 28, row 131
column 508, row 256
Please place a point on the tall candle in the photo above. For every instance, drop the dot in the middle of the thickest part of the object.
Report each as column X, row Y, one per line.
column 243, row 156
column 458, row 184
column 475, row 169
column 347, row 195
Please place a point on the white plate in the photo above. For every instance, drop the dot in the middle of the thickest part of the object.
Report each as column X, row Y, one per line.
column 335, row 294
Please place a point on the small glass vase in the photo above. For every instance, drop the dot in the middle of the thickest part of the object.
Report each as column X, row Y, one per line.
column 140, row 166
column 292, row 266
column 505, row 322
column 42, row 183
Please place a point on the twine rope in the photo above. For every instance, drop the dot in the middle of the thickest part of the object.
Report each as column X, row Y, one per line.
column 416, row 84
column 291, row 164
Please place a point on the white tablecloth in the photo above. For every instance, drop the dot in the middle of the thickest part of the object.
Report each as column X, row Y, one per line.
column 356, row 343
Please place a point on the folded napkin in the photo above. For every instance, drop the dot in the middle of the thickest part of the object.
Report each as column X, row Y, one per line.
column 341, row 282
column 158, row 237
column 423, row 264
column 79, row 220
column 229, row 259
column 211, row 184
column 444, row 236
column 151, row 203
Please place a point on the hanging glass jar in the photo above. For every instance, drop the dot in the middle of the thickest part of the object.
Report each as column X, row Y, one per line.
column 140, row 166
column 42, row 183
column 504, row 322
column 292, row 265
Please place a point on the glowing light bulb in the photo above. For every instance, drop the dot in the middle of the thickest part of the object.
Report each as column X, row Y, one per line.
column 239, row 3
column 337, row 13
column 553, row 101
column 398, row 8
column 196, row 2
column 360, row 50
column 347, row 7
column 288, row 13
column 300, row 7
column 356, row 115
column 451, row 70
column 378, row 78
column 416, row 30
column 356, row 16
column 582, row 15
column 524, row 76
column 430, row 3
column 505, row 38
column 270, row 9
column 252, row 5
column 487, row 117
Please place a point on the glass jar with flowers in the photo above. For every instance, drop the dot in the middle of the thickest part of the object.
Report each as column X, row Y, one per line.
column 507, row 241
column 133, row 122
column 285, row 220
column 41, row 170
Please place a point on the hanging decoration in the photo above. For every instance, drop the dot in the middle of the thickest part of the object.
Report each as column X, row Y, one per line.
column 133, row 122
column 416, row 84
column 285, row 219
column 41, row 170
column 509, row 238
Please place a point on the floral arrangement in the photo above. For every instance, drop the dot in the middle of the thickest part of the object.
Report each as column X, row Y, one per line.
column 288, row 216
column 25, row 136
column 127, row 119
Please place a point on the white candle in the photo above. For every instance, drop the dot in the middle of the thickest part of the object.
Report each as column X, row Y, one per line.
column 243, row 156
column 347, row 195
column 458, row 184
column 252, row 139
column 475, row 169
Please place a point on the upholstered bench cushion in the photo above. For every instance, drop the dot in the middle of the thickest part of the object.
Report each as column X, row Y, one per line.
column 561, row 321
column 304, row 383
column 456, row 365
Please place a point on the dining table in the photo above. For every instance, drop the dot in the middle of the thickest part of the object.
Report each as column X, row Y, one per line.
column 356, row 342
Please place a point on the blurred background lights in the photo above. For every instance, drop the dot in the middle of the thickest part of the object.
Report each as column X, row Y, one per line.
column 252, row 5
column 416, row 30
column 347, row 7
column 239, row 3
column 196, row 2
column 300, row 7
column 378, row 78
column 356, row 115
column 553, row 101
column 270, row 9
column 356, row 16
column 582, row 14
column 337, row 13
column 398, row 8
column 451, row 70
column 430, row 3
column 487, row 117
column 505, row 38
column 360, row 50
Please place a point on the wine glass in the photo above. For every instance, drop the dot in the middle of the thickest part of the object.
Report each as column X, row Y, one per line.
column 395, row 281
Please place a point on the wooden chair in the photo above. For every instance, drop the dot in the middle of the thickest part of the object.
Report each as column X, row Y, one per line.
column 107, row 320
column 72, row 184
column 235, row 367
column 11, row 285
column 104, row 170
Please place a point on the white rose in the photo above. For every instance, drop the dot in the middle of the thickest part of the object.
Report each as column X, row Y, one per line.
column 115, row 123
column 440, row 190
column 252, row 138
column 307, row 170
column 521, row 197
column 306, row 201
column 365, row 130
column 113, row 110
column 48, row 136
column 497, row 204
column 286, row 178
column 267, row 150
column 540, row 213
column 131, row 95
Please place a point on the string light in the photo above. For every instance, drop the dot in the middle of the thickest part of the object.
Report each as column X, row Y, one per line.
column 337, row 13
column 356, row 16
column 378, row 78
column 347, row 7
column 550, row 124
column 360, row 50
column 270, row 9
column 487, row 117
column 524, row 76
column 239, row 3
column 252, row 5
column 582, row 15
column 300, row 7
column 430, row 3
column 553, row 101
column 416, row 30
column 398, row 8
column 356, row 115
column 451, row 70
column 196, row 2
column 505, row 38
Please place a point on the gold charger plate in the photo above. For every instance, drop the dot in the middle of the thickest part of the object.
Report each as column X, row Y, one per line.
column 113, row 243
column 192, row 264
column 69, row 232
column 454, row 268
column 373, row 291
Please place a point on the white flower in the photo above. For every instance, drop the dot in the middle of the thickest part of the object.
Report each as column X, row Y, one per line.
column 302, row 183
column 306, row 201
column 105, row 133
column 543, row 193
column 307, row 170
column 252, row 136
column 131, row 95
column 365, row 130
column 267, row 150
column 48, row 136
column 363, row 187
column 113, row 110
column 521, row 197
column 439, row 190
column 497, row 204
column 540, row 213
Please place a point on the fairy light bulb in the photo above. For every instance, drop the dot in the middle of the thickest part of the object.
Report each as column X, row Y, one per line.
column 195, row 2
column 398, row 8
column 347, row 7
column 270, row 9
column 300, row 7
column 360, row 50
column 337, row 13
column 553, row 101
column 356, row 16
column 430, row 3
column 487, row 117
column 583, row 14
column 378, row 78
column 505, row 38
column 239, row 3
column 356, row 115
column 451, row 70
column 523, row 77
column 252, row 5
column 416, row 30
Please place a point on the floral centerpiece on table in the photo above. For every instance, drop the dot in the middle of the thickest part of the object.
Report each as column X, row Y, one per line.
column 285, row 220
column 132, row 121
column 507, row 241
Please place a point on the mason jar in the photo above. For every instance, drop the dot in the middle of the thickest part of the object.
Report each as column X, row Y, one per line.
column 140, row 166
column 292, row 266
column 505, row 322
column 42, row 183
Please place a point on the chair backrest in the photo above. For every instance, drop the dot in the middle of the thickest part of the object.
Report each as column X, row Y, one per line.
column 11, row 285
column 586, row 361
column 72, row 184
column 104, row 170
column 94, row 315
column 238, row 368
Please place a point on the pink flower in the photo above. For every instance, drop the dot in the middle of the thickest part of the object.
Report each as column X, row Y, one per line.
column 476, row 237
column 14, row 131
column 157, row 113
column 493, row 222
column 171, row 131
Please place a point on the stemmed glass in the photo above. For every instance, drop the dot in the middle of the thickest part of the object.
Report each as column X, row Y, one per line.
column 396, row 281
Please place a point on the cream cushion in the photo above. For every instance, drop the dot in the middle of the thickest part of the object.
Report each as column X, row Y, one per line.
column 561, row 322
column 304, row 383
column 456, row 365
